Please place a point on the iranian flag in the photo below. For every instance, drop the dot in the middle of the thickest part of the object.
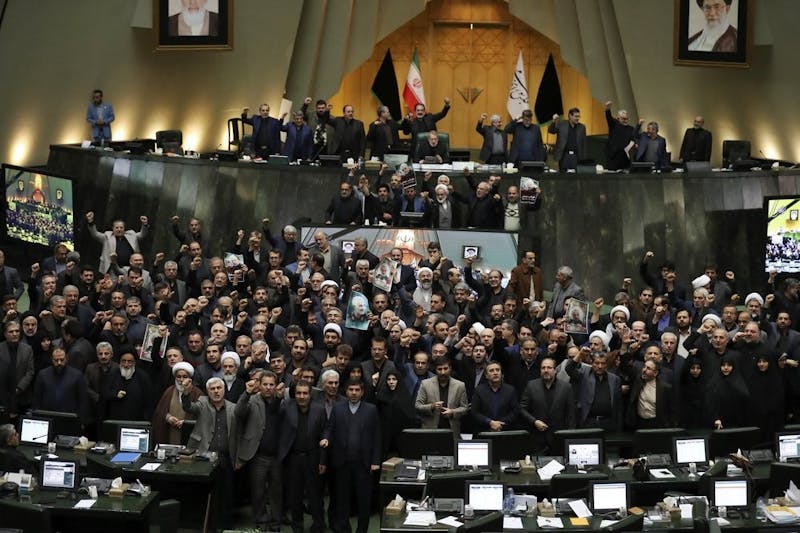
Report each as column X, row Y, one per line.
column 413, row 93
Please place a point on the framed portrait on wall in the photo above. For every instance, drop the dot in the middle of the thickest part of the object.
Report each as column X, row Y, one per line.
column 712, row 33
column 193, row 24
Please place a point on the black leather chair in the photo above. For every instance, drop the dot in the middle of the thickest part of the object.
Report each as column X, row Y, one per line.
column 573, row 485
column 484, row 524
column 234, row 133
column 726, row 441
column 646, row 441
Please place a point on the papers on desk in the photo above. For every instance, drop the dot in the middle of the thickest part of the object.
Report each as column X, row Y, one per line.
column 550, row 469
column 686, row 510
column 420, row 518
column 451, row 521
column 552, row 522
column 580, row 508
column 661, row 473
column 511, row 522
column 150, row 467
column 779, row 514
column 84, row 504
column 606, row 523
column 46, row 456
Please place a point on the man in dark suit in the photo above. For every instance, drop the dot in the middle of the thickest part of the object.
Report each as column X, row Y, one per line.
column 349, row 139
column 382, row 134
column 650, row 403
column 494, row 403
column 266, row 131
column 433, row 148
column 598, row 392
column 61, row 387
column 10, row 281
column 355, row 452
column 548, row 405
column 302, row 423
column 422, row 121
column 16, row 370
column 257, row 414
column 696, row 145
column 298, row 145
column 495, row 140
column 652, row 148
column 527, row 144
column 570, row 145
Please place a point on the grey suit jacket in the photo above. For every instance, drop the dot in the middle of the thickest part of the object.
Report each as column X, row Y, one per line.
column 203, row 409
column 561, row 129
column 23, row 373
column 252, row 419
column 573, row 290
column 13, row 282
column 335, row 268
column 428, row 395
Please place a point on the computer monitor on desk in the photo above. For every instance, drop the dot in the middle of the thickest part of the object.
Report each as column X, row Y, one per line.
column 731, row 493
column 609, row 496
column 35, row 431
column 474, row 453
column 63, row 423
column 485, row 496
column 59, row 475
column 134, row 439
column 687, row 450
column 787, row 444
column 584, row 452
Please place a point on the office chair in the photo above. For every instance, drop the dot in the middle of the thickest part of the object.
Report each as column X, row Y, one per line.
column 186, row 430
column 508, row 445
column 422, row 139
column 414, row 443
column 25, row 517
column 659, row 440
column 633, row 522
column 733, row 151
column 171, row 141
column 234, row 133
column 573, row 485
column 725, row 441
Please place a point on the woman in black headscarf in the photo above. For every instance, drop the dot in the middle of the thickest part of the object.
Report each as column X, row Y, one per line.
column 727, row 396
column 693, row 394
column 766, row 408
column 354, row 371
column 396, row 408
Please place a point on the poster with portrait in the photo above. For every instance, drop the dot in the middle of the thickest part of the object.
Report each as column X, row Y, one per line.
column 528, row 190
column 150, row 335
column 357, row 312
column 193, row 24
column 712, row 33
column 233, row 267
column 576, row 317
column 407, row 177
column 383, row 275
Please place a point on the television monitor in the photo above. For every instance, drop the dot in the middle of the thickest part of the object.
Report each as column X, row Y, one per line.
column 39, row 207
column 34, row 430
column 731, row 493
column 584, row 452
column 609, row 495
column 485, row 496
column 687, row 450
column 787, row 444
column 474, row 453
column 134, row 439
column 59, row 475
column 782, row 233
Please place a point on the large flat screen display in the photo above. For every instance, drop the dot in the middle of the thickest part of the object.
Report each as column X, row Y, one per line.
column 39, row 207
column 783, row 234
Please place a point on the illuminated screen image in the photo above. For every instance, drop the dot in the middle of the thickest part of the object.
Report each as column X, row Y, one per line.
column 783, row 234
column 39, row 207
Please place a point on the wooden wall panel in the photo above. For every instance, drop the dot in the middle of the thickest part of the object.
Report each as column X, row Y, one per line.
column 453, row 56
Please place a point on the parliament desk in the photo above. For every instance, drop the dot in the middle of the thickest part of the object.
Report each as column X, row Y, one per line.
column 601, row 225
column 189, row 481
column 121, row 515
column 394, row 524
column 643, row 493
